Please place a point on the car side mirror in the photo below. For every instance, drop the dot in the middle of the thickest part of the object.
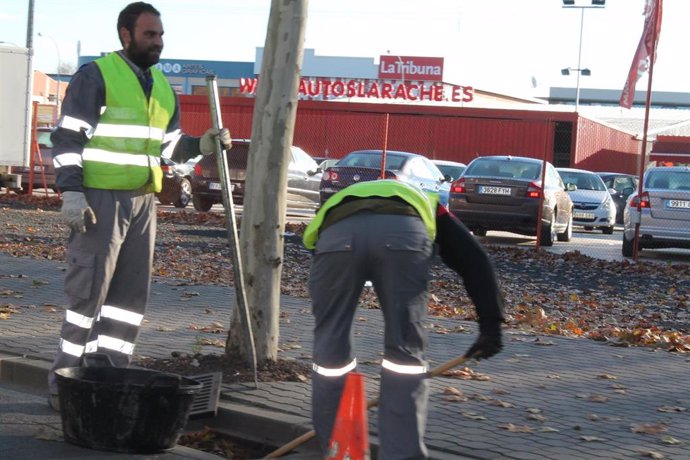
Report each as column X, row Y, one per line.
column 447, row 178
column 613, row 191
column 570, row 187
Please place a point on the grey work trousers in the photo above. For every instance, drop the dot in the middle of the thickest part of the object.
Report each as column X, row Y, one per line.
column 109, row 265
column 394, row 252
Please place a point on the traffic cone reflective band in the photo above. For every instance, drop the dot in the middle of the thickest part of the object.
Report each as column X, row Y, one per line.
column 350, row 437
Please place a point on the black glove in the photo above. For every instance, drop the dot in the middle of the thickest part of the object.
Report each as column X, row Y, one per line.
column 488, row 343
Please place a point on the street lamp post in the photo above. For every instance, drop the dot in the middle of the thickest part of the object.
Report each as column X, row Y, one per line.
column 59, row 63
column 580, row 70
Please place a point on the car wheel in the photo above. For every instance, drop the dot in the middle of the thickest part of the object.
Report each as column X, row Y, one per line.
column 627, row 247
column 185, row 194
column 548, row 233
column 568, row 233
column 479, row 232
column 201, row 203
column 607, row 230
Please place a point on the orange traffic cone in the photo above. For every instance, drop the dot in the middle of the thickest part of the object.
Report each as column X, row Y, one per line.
column 350, row 437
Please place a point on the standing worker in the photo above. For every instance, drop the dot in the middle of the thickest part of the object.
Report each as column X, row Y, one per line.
column 384, row 231
column 119, row 116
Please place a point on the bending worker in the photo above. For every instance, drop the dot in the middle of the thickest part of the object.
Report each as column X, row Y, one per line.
column 385, row 231
column 119, row 116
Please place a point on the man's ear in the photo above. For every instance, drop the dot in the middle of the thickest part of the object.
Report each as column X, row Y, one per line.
column 125, row 37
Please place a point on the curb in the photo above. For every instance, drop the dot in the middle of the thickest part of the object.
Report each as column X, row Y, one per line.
column 232, row 419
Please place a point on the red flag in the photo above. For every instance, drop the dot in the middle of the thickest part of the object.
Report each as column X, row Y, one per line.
column 646, row 48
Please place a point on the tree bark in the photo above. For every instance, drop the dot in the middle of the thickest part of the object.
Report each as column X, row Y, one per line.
column 264, row 208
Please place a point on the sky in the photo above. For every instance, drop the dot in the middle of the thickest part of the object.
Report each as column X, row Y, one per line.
column 513, row 46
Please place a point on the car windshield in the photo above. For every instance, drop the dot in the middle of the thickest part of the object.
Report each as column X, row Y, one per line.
column 514, row 169
column 583, row 181
column 450, row 170
column 670, row 180
column 373, row 160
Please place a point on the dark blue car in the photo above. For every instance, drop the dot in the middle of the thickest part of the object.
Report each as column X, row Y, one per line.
column 366, row 165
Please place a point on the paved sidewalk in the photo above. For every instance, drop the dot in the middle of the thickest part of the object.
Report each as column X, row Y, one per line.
column 543, row 397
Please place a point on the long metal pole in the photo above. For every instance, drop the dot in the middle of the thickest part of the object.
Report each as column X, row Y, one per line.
column 231, row 223
column 579, row 60
column 643, row 154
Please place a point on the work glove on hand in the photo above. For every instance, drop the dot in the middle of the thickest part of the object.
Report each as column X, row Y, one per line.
column 76, row 211
column 207, row 143
column 488, row 343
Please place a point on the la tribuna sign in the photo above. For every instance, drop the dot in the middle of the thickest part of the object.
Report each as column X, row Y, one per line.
column 413, row 79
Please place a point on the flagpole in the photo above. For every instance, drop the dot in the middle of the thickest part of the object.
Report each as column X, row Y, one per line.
column 648, row 103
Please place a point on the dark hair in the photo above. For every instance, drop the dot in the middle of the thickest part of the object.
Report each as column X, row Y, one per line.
column 128, row 17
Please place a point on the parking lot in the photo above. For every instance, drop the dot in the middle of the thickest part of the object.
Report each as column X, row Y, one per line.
column 591, row 243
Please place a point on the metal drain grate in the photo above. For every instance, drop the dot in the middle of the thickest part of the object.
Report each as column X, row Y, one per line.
column 206, row 401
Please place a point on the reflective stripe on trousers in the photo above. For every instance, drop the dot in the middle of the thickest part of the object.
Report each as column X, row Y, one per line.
column 108, row 279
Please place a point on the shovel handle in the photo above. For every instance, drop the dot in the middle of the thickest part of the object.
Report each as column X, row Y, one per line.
column 436, row 371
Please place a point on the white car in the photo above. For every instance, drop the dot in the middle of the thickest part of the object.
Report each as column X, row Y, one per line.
column 453, row 169
column 593, row 206
column 664, row 210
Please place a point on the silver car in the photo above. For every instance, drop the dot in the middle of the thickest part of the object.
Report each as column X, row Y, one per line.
column 664, row 210
column 593, row 206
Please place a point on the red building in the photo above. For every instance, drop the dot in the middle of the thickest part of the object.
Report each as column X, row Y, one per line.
column 332, row 129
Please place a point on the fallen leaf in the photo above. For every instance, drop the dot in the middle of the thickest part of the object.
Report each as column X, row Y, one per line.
column 648, row 428
column 534, row 410
column 473, row 416
column 517, row 428
column 670, row 440
column 671, row 409
column 607, row 377
column 499, row 403
column 537, row 417
column 592, row 438
column 548, row 429
column 651, row 454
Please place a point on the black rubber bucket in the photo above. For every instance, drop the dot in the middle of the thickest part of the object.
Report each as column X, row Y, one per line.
column 123, row 410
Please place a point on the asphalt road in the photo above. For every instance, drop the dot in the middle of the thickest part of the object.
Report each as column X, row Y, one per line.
column 593, row 244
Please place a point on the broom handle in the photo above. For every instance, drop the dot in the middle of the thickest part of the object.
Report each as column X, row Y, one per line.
column 438, row 370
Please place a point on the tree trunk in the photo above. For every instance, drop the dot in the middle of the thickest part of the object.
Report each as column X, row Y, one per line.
column 263, row 215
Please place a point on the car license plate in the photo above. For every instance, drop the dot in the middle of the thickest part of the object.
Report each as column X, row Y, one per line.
column 216, row 186
column 583, row 215
column 491, row 190
column 683, row 204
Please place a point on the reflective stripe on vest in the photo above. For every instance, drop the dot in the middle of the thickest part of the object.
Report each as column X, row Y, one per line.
column 124, row 151
column 425, row 204
column 334, row 372
column 403, row 368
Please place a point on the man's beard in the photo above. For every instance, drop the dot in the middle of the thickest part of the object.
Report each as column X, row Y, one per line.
column 143, row 57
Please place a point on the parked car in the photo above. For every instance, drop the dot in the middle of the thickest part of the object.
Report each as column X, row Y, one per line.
column 365, row 165
column 42, row 162
column 620, row 186
column 452, row 169
column 327, row 163
column 177, row 186
column 664, row 214
column 503, row 192
column 593, row 206
column 302, row 183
